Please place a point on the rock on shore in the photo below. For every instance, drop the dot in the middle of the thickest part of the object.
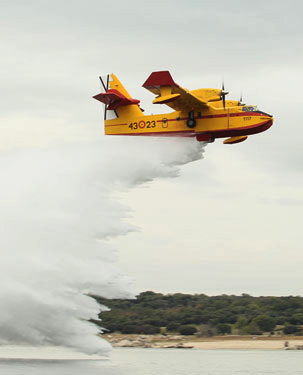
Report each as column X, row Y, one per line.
column 146, row 341
column 215, row 342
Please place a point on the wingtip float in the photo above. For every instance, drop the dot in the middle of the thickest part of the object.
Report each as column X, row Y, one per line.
column 202, row 113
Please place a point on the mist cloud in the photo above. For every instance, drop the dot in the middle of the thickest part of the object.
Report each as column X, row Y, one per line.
column 57, row 210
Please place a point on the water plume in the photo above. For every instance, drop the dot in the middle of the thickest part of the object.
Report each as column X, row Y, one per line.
column 57, row 210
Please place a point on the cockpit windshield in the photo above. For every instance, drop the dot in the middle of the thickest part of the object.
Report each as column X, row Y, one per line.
column 251, row 108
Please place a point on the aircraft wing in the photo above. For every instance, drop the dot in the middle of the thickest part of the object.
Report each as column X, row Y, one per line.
column 170, row 93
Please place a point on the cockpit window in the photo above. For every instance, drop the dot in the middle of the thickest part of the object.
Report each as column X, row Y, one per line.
column 249, row 109
column 254, row 108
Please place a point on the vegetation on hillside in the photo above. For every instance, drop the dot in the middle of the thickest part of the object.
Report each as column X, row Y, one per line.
column 152, row 313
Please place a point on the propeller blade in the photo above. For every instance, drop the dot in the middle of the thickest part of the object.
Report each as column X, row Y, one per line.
column 223, row 94
column 102, row 82
column 107, row 82
column 241, row 99
column 105, row 87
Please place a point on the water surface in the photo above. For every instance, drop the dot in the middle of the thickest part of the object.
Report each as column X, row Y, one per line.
column 137, row 361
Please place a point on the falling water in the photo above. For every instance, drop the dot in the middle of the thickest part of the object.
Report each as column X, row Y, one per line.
column 57, row 211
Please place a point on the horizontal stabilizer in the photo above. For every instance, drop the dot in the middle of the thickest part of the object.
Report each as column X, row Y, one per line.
column 114, row 99
column 166, row 99
column 233, row 140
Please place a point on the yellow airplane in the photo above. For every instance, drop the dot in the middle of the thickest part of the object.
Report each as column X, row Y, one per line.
column 203, row 113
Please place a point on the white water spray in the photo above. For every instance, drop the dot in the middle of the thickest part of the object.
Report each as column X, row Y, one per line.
column 56, row 212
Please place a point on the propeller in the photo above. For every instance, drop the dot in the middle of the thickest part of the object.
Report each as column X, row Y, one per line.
column 240, row 99
column 105, row 86
column 223, row 94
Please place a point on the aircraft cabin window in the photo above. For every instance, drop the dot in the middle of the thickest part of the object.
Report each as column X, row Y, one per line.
column 249, row 109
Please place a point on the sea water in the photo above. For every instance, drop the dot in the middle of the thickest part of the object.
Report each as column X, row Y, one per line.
column 135, row 361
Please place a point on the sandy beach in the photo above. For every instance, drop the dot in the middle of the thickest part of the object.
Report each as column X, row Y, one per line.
column 210, row 343
column 259, row 344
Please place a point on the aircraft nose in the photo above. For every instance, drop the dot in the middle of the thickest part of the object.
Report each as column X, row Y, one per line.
column 269, row 122
column 266, row 118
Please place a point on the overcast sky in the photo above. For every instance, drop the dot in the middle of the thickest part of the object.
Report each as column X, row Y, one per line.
column 232, row 222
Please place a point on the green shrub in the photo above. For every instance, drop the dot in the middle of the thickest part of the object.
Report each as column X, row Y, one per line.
column 265, row 323
column 172, row 326
column 147, row 329
column 223, row 328
column 187, row 330
column 129, row 328
column 290, row 329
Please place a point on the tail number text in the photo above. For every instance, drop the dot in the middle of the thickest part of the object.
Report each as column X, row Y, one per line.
column 142, row 125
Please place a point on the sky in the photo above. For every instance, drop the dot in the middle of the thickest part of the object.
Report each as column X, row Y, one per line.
column 229, row 223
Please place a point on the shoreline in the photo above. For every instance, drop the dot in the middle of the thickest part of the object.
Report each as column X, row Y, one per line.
column 206, row 343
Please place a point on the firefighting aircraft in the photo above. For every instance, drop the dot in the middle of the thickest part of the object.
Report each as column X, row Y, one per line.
column 203, row 113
